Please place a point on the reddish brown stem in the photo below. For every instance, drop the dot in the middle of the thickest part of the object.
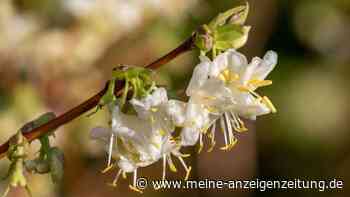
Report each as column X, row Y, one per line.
column 94, row 100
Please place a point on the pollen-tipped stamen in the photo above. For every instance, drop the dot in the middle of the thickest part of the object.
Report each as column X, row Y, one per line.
column 238, row 124
column 108, row 168
column 256, row 83
column 134, row 186
column 229, row 128
column 212, row 137
column 116, row 178
column 269, row 104
column 171, row 164
column 223, row 129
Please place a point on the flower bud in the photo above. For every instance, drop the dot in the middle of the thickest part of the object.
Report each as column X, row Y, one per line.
column 236, row 15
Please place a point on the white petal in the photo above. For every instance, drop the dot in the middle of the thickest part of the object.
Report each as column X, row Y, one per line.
column 199, row 76
column 266, row 66
column 157, row 97
column 248, row 107
column 176, row 111
column 189, row 136
column 251, row 111
column 219, row 64
column 196, row 115
column 141, row 108
column 236, row 61
column 248, row 72
column 115, row 116
column 214, row 93
column 126, row 165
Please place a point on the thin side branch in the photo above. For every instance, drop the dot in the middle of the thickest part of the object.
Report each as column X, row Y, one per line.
column 94, row 100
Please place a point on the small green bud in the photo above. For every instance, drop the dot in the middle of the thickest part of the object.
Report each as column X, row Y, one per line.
column 225, row 31
column 204, row 39
column 236, row 15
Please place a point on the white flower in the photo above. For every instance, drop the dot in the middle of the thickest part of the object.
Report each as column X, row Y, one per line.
column 196, row 119
column 224, row 89
column 143, row 139
column 154, row 108
column 175, row 110
column 163, row 115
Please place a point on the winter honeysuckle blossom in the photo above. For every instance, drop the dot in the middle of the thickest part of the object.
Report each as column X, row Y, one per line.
column 140, row 140
column 223, row 90
column 220, row 92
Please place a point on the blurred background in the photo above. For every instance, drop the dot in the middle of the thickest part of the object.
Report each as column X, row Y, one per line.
column 55, row 54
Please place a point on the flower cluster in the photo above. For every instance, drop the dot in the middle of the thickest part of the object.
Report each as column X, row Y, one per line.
column 220, row 92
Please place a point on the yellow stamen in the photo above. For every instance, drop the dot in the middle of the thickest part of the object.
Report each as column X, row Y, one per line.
column 185, row 155
column 234, row 77
column 259, row 83
column 158, row 146
column 209, row 97
column 112, row 184
column 226, row 73
column 205, row 128
column 211, row 148
column 222, row 77
column 229, row 146
column 233, row 142
column 172, row 167
column 135, row 189
column 243, row 129
column 225, row 147
column 162, row 132
column 200, row 148
column 154, row 109
column 243, row 89
column 269, row 104
column 108, row 168
column 212, row 109
column 124, row 175
column 228, row 76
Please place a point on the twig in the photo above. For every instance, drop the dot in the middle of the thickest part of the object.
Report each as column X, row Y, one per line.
column 94, row 100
